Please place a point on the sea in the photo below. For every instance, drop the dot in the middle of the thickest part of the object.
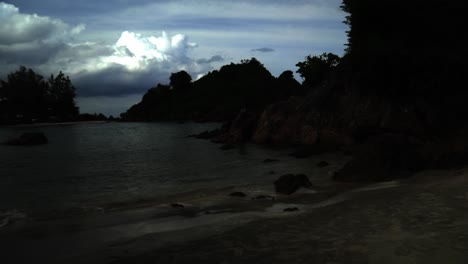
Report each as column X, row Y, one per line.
column 95, row 166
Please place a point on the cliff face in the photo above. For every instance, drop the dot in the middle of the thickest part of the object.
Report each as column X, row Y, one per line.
column 388, row 138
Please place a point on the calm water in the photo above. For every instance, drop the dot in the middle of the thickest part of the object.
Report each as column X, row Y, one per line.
column 88, row 165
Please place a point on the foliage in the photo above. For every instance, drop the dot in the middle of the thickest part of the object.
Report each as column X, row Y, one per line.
column 314, row 70
column 410, row 52
column 61, row 97
column 26, row 96
column 219, row 95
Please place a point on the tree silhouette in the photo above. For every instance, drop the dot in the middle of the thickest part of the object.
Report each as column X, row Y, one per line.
column 180, row 81
column 219, row 95
column 25, row 96
column 61, row 97
column 314, row 70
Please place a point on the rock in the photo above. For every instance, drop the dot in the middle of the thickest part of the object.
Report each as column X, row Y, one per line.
column 263, row 197
column 281, row 123
column 29, row 139
column 383, row 157
column 270, row 160
column 309, row 135
column 291, row 209
column 177, row 205
column 322, row 164
column 238, row 194
column 290, row 183
column 448, row 152
column 240, row 129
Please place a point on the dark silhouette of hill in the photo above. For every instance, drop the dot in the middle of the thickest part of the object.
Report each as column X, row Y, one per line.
column 219, row 95
column 396, row 100
column 411, row 52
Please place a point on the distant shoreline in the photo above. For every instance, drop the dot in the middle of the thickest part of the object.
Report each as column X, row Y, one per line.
column 56, row 124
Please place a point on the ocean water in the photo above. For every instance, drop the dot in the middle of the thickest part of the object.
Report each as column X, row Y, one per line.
column 94, row 165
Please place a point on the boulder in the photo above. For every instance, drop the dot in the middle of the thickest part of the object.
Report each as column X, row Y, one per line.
column 29, row 139
column 309, row 135
column 290, row 183
column 241, row 128
column 281, row 122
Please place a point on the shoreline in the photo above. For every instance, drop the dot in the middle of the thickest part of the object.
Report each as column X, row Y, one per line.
column 54, row 124
column 346, row 224
column 414, row 222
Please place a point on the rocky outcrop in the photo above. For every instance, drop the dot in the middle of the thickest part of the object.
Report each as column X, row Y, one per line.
column 240, row 130
column 283, row 123
column 28, row 139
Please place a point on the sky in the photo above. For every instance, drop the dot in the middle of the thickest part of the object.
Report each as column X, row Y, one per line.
column 114, row 51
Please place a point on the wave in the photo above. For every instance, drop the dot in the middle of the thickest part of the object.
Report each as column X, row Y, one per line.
column 10, row 216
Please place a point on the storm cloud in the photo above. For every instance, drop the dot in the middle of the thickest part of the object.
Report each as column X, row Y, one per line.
column 120, row 49
column 134, row 63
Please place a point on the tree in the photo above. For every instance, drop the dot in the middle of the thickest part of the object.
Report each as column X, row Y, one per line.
column 61, row 97
column 314, row 70
column 23, row 95
column 26, row 96
column 180, row 81
column 288, row 84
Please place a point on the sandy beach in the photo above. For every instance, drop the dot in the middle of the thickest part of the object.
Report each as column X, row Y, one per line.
column 420, row 220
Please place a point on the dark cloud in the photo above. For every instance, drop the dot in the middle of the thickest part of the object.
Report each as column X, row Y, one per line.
column 117, row 80
column 30, row 54
column 215, row 58
column 263, row 50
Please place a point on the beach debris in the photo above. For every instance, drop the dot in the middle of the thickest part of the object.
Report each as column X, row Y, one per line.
column 238, row 194
column 322, row 164
column 270, row 160
column 28, row 139
column 291, row 209
column 290, row 183
column 177, row 205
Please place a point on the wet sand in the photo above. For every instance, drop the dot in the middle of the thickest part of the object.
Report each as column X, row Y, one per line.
column 420, row 220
